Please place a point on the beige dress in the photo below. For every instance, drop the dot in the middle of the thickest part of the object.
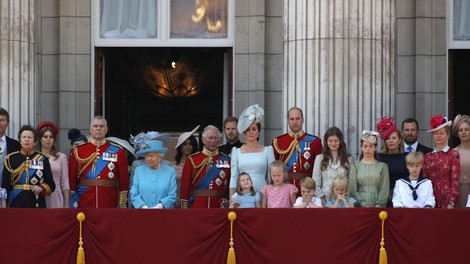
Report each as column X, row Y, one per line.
column 464, row 180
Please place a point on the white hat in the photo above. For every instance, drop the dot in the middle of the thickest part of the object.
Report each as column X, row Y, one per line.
column 437, row 122
column 251, row 114
column 182, row 138
column 123, row 143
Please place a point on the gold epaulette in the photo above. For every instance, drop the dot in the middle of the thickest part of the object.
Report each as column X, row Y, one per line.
column 81, row 144
column 190, row 155
column 8, row 157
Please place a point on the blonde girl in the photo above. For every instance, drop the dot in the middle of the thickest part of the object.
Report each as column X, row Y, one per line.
column 245, row 195
column 339, row 194
column 278, row 193
column 307, row 198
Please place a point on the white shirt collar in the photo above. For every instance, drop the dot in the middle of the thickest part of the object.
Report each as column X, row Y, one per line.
column 414, row 146
column 445, row 149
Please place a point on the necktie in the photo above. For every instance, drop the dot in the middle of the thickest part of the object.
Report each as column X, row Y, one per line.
column 1, row 146
column 409, row 149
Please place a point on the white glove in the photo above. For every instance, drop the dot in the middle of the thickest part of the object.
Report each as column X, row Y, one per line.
column 144, row 207
column 37, row 190
column 158, row 206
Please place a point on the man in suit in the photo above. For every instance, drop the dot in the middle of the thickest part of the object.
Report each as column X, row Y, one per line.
column 410, row 130
column 7, row 145
column 231, row 135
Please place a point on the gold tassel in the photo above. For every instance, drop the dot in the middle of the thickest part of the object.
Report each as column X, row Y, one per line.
column 383, row 215
column 81, row 253
column 231, row 251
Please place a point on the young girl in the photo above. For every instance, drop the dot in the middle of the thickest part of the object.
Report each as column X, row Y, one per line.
column 279, row 193
column 307, row 200
column 333, row 161
column 245, row 195
column 368, row 178
column 339, row 194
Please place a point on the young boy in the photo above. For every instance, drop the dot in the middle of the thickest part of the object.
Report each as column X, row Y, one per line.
column 307, row 200
column 414, row 191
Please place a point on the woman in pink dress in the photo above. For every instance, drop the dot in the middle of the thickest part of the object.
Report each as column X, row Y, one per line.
column 47, row 132
column 461, row 128
column 442, row 165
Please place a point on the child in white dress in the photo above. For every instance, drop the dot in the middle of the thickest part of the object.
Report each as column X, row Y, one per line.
column 307, row 198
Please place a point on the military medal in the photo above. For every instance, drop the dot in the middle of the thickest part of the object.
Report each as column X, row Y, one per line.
column 39, row 173
column 111, row 166
column 110, row 156
column 307, row 150
column 218, row 182
column 36, row 164
column 306, row 165
column 110, row 175
column 222, row 174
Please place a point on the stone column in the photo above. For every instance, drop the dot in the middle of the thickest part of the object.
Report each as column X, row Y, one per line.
column 339, row 64
column 17, row 62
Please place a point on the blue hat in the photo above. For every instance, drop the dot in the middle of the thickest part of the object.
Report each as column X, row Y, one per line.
column 251, row 114
column 75, row 135
column 151, row 146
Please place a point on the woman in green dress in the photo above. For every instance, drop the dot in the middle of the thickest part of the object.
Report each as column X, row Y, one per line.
column 368, row 178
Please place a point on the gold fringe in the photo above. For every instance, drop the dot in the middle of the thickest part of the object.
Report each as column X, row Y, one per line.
column 231, row 251
column 383, row 215
column 81, row 253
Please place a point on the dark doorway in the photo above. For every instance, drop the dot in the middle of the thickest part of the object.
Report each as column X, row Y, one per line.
column 459, row 85
column 161, row 89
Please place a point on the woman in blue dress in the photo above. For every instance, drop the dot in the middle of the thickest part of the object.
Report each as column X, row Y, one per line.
column 252, row 158
column 154, row 184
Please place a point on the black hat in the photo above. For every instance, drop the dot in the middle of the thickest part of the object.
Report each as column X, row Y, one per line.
column 75, row 135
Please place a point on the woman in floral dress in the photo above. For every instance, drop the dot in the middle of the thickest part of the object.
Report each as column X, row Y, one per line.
column 442, row 165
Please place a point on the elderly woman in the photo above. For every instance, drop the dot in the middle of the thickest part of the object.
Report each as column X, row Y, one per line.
column 461, row 128
column 442, row 165
column 368, row 178
column 252, row 157
column 27, row 175
column 392, row 152
column 154, row 183
column 47, row 133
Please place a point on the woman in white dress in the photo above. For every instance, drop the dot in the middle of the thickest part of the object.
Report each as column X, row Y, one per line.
column 251, row 158
column 334, row 161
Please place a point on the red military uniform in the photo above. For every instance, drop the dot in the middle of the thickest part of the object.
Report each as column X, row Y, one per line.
column 298, row 152
column 205, row 180
column 99, row 175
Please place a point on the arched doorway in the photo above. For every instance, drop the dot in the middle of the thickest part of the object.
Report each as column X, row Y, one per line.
column 162, row 89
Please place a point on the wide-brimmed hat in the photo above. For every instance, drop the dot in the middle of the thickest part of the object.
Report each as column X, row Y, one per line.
column 142, row 138
column 251, row 114
column 75, row 135
column 182, row 138
column 370, row 136
column 123, row 143
column 437, row 122
column 151, row 146
column 49, row 124
column 386, row 127
column 458, row 120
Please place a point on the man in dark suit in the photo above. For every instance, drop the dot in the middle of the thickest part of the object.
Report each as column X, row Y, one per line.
column 7, row 145
column 410, row 130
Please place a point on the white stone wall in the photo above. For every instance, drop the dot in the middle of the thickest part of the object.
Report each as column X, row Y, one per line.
column 421, row 62
column 340, row 64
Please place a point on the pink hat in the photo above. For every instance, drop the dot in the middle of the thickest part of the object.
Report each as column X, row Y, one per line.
column 49, row 124
column 386, row 127
column 437, row 122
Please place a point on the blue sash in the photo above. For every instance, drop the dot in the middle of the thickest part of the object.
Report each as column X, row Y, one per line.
column 211, row 174
column 22, row 180
column 91, row 174
column 292, row 159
